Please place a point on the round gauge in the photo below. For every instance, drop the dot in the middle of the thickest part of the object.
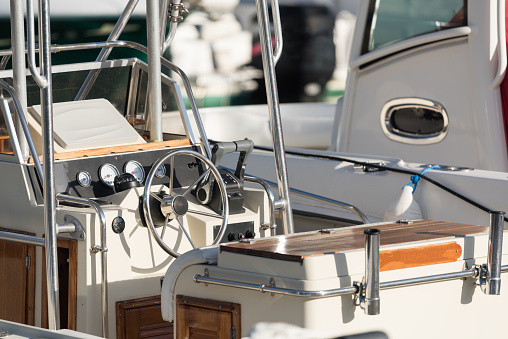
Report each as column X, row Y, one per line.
column 107, row 173
column 84, row 178
column 134, row 168
column 161, row 171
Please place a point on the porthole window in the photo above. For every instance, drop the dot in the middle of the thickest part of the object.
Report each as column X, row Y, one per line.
column 414, row 121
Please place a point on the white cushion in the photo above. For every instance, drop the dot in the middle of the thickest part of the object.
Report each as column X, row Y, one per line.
column 88, row 124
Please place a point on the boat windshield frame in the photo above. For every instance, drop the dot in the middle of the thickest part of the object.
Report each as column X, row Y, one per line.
column 132, row 92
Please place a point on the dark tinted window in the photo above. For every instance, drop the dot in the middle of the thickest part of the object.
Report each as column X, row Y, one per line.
column 391, row 21
column 417, row 120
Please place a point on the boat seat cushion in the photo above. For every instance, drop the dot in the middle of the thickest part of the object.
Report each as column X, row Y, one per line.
column 88, row 124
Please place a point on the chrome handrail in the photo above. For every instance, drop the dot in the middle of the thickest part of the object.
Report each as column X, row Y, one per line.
column 272, row 226
column 501, row 45
column 55, row 48
column 19, row 67
column 318, row 198
column 39, row 79
column 24, row 125
column 44, row 80
column 105, row 52
column 275, row 115
column 102, row 248
column 154, row 55
column 354, row 289
column 277, row 28
column 22, row 238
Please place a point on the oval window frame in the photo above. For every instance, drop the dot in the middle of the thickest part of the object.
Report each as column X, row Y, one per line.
column 409, row 138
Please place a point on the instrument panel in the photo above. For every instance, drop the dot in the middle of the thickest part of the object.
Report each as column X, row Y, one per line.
column 93, row 177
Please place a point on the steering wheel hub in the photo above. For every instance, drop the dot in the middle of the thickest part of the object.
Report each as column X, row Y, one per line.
column 175, row 206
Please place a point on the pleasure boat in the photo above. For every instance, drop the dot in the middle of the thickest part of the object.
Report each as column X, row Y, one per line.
column 425, row 86
column 418, row 136
column 121, row 219
column 78, row 154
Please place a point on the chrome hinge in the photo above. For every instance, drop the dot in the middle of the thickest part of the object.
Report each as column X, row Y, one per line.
column 27, row 261
column 233, row 332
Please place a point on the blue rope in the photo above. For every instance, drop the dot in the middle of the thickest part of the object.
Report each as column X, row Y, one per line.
column 415, row 178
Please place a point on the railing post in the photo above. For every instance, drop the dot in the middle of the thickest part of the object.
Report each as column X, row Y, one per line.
column 154, row 69
column 495, row 253
column 275, row 116
column 45, row 83
column 19, row 67
column 371, row 301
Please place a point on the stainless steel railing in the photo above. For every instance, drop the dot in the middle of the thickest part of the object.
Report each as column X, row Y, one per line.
column 354, row 289
column 321, row 199
column 105, row 52
column 103, row 249
column 275, row 116
column 272, row 204
column 368, row 291
column 21, row 116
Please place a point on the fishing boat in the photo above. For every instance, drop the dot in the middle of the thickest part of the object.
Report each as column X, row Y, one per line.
column 118, row 219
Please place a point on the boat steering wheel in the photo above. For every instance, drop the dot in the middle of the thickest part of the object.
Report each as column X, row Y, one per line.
column 175, row 206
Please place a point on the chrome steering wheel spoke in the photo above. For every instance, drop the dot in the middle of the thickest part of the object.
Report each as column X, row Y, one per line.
column 175, row 205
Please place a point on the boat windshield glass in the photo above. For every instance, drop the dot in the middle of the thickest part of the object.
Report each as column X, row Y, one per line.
column 391, row 21
column 123, row 86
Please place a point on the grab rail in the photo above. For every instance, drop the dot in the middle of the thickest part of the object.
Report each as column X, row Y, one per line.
column 102, row 248
column 166, row 63
column 277, row 28
column 22, row 238
column 354, row 289
column 105, row 52
column 501, row 45
column 318, row 198
column 468, row 273
column 24, row 126
column 44, row 81
column 272, row 226
column 367, row 291
column 275, row 116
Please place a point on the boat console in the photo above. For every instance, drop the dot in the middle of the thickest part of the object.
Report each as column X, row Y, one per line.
column 113, row 202
column 325, row 280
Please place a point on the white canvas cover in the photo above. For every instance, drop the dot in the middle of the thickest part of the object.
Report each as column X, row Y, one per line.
column 88, row 124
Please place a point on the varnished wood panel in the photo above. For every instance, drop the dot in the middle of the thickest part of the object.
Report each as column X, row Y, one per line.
column 118, row 149
column 68, row 284
column 298, row 246
column 30, row 288
column 204, row 318
column 419, row 256
column 141, row 318
column 17, row 281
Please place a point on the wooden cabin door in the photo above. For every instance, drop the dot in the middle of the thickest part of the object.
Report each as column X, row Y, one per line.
column 204, row 318
column 17, row 282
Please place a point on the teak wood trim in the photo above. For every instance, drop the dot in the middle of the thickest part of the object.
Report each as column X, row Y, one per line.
column 184, row 303
column 117, row 149
column 29, row 283
column 72, row 246
column 419, row 256
column 135, row 318
column 297, row 247
column 30, row 288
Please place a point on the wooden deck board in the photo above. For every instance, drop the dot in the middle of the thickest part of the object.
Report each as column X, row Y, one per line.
column 297, row 247
column 117, row 149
